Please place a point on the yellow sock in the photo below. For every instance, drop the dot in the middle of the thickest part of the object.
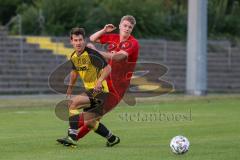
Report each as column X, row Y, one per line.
column 96, row 126
column 73, row 112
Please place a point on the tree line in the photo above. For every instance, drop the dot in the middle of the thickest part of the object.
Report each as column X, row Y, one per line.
column 155, row 18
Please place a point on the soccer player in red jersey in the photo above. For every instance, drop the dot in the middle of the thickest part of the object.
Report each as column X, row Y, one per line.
column 122, row 54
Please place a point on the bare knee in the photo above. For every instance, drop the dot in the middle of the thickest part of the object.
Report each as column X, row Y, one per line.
column 91, row 123
column 72, row 106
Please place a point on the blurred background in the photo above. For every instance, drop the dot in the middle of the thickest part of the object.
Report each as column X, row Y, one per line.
column 34, row 39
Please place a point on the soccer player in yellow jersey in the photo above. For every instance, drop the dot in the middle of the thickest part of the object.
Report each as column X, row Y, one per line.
column 93, row 70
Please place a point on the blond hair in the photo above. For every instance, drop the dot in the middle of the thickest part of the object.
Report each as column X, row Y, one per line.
column 129, row 18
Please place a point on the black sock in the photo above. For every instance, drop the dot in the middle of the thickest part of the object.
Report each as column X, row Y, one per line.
column 73, row 123
column 104, row 132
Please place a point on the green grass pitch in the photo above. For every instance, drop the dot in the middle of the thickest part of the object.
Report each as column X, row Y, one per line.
column 29, row 129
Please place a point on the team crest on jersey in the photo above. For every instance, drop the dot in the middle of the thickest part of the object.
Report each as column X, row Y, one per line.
column 83, row 60
column 82, row 68
column 123, row 45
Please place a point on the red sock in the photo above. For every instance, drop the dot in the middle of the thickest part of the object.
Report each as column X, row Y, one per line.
column 81, row 120
column 83, row 131
column 83, row 128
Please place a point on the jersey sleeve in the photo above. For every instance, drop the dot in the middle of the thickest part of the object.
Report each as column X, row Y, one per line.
column 73, row 66
column 97, row 59
column 130, row 47
column 105, row 38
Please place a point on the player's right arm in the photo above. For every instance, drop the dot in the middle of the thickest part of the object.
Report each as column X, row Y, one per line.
column 117, row 56
column 107, row 28
column 73, row 79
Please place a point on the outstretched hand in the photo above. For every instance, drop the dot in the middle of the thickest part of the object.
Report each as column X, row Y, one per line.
column 109, row 28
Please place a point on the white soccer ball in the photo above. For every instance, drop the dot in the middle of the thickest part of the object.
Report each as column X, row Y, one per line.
column 179, row 144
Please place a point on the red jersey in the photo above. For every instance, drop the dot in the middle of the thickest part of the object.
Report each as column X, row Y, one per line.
column 122, row 70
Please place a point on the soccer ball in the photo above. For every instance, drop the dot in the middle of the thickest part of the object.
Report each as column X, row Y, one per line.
column 179, row 144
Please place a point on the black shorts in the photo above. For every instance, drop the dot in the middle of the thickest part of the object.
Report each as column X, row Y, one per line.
column 96, row 102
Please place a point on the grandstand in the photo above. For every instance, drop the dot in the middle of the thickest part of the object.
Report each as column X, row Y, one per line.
column 25, row 67
column 27, row 62
column 223, row 63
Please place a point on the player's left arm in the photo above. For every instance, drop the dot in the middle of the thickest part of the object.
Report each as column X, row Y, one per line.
column 104, row 74
column 100, row 63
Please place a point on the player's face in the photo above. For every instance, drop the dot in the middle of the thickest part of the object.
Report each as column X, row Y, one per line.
column 78, row 42
column 125, row 28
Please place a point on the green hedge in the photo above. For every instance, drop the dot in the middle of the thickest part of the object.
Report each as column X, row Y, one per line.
column 155, row 18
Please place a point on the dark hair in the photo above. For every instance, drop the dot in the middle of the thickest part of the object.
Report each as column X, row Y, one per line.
column 77, row 31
